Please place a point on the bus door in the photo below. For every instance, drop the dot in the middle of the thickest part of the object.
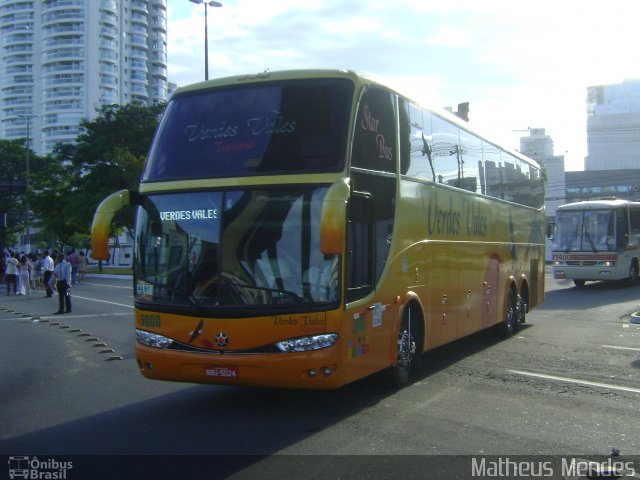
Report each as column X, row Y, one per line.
column 370, row 306
column 370, row 227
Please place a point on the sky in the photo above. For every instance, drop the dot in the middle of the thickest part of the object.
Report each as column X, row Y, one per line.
column 519, row 64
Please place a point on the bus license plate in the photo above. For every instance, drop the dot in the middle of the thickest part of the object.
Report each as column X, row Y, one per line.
column 221, row 372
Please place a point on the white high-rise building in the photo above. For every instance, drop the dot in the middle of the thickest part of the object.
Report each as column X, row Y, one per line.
column 613, row 126
column 61, row 59
column 539, row 146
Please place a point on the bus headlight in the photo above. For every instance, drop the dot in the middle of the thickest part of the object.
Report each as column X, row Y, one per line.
column 153, row 339
column 304, row 344
column 606, row 263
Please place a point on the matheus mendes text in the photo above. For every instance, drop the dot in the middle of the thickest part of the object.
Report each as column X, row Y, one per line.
column 567, row 467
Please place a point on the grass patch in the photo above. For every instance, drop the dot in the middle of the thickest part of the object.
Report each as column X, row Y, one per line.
column 109, row 270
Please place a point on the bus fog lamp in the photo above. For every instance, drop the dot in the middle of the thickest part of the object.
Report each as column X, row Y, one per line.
column 305, row 344
column 153, row 339
column 327, row 371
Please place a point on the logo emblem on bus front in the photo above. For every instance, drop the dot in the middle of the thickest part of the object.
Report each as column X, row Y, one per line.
column 222, row 340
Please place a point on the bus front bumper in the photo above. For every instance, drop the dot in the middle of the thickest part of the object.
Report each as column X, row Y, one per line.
column 593, row 273
column 308, row 370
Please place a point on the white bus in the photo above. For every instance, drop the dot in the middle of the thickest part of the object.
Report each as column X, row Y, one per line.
column 597, row 240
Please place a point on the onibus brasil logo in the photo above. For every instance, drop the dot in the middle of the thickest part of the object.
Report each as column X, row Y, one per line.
column 33, row 468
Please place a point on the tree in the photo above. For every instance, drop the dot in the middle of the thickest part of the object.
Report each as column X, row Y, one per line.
column 13, row 170
column 54, row 198
column 108, row 156
column 110, row 153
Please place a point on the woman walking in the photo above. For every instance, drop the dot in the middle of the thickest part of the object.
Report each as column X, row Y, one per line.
column 24, row 285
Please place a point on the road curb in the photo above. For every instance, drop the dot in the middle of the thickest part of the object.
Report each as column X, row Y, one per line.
column 106, row 275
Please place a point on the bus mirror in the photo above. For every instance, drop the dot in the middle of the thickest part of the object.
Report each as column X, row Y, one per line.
column 551, row 228
column 101, row 226
column 333, row 218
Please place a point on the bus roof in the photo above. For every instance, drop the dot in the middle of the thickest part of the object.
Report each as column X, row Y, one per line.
column 358, row 78
column 598, row 204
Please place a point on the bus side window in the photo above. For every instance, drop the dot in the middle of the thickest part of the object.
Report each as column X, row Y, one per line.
column 360, row 246
column 374, row 139
column 634, row 220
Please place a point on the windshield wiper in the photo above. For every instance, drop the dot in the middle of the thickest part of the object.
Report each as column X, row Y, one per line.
column 588, row 237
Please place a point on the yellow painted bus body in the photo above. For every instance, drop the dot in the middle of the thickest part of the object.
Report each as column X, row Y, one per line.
column 455, row 257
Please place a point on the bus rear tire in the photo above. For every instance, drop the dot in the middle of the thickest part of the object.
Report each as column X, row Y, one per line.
column 578, row 283
column 521, row 311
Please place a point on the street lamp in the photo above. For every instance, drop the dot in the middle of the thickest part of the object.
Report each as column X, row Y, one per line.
column 210, row 3
column 26, row 177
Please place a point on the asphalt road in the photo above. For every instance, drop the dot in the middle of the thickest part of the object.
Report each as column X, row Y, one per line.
column 567, row 384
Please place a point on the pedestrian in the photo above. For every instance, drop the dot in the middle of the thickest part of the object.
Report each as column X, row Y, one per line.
column 11, row 273
column 3, row 264
column 37, row 271
column 72, row 258
column 62, row 273
column 24, row 274
column 82, row 266
column 47, row 265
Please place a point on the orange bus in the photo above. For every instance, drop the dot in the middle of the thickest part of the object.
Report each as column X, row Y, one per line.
column 305, row 229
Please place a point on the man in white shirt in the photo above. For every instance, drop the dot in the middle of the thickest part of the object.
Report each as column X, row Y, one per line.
column 48, row 271
column 11, row 274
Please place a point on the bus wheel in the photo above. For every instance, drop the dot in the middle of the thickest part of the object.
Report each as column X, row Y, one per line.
column 407, row 352
column 509, row 324
column 633, row 274
column 521, row 311
column 578, row 283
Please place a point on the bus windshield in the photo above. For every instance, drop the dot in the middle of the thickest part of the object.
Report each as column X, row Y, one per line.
column 256, row 129
column 586, row 230
column 252, row 248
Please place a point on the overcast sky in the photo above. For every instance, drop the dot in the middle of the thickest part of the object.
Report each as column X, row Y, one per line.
column 519, row 64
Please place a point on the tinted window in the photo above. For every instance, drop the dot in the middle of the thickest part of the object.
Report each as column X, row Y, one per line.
column 267, row 128
column 446, row 152
column 634, row 218
column 420, row 159
column 374, row 139
column 471, row 161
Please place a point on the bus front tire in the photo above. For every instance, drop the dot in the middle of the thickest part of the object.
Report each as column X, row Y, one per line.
column 408, row 357
column 633, row 274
